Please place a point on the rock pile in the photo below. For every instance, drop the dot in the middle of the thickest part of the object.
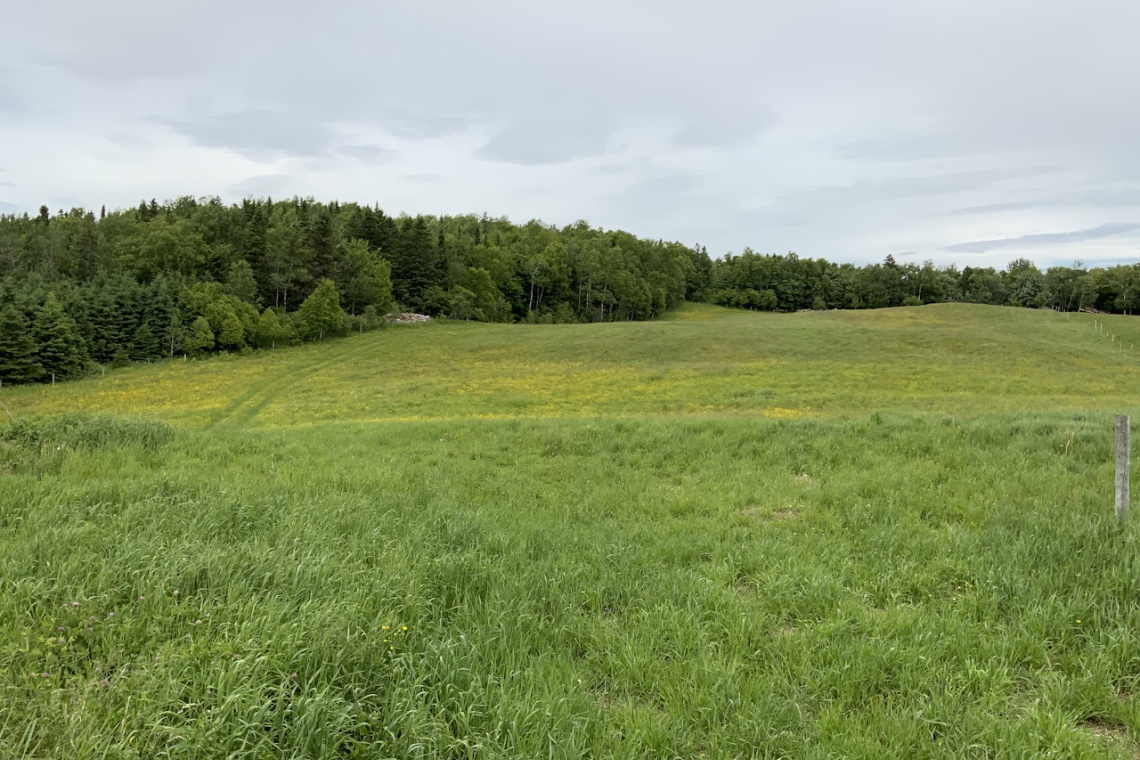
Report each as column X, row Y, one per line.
column 408, row 317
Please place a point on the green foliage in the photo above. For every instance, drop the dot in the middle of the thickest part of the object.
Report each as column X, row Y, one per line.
column 320, row 316
column 270, row 331
column 59, row 346
column 18, row 361
column 485, row 302
column 145, row 344
column 232, row 321
column 199, row 338
column 224, row 323
column 133, row 281
column 240, row 282
column 417, row 263
column 367, row 278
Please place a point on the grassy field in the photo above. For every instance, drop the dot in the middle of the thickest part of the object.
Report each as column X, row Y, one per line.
column 843, row 534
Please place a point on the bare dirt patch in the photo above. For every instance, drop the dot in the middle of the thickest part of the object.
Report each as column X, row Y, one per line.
column 1117, row 733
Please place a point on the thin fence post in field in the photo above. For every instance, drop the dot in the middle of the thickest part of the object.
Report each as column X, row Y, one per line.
column 1123, row 461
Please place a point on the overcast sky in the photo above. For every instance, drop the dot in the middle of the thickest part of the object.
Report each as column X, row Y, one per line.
column 973, row 131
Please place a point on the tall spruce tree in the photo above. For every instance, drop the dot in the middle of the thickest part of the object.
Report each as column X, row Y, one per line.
column 59, row 346
column 416, row 264
column 18, row 363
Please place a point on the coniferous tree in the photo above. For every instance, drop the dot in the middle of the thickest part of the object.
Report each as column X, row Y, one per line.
column 18, row 362
column 59, row 347
column 416, row 264
column 146, row 344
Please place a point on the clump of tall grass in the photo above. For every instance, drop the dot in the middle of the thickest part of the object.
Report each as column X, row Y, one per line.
column 86, row 432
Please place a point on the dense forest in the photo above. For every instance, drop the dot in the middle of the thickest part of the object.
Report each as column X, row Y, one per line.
column 194, row 276
column 789, row 283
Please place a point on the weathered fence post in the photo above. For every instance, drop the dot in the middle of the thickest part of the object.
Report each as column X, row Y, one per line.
column 1123, row 426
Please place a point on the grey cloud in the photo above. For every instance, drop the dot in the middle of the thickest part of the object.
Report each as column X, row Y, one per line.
column 260, row 186
column 547, row 141
column 368, row 154
column 127, row 140
column 799, row 207
column 670, row 199
column 907, row 149
column 118, row 64
column 9, row 208
column 671, row 185
column 1048, row 238
column 716, row 132
column 11, row 104
column 1097, row 198
column 5, row 183
column 257, row 134
column 425, row 177
column 641, row 166
column 422, row 127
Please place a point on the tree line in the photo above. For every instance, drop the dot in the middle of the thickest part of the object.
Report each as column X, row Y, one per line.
column 193, row 276
column 790, row 283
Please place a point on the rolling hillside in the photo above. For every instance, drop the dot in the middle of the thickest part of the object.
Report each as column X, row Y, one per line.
column 953, row 358
column 881, row 534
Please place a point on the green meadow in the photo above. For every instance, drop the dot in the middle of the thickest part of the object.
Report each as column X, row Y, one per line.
column 725, row 534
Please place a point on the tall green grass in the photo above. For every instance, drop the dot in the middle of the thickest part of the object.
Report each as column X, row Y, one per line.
column 910, row 587
column 868, row 584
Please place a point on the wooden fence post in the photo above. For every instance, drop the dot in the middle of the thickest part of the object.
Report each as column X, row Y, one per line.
column 1123, row 427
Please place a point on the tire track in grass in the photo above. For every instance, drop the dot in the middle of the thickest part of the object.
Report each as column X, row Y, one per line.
column 245, row 408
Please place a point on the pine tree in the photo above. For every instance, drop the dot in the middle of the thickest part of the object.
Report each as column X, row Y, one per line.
column 146, row 343
column 417, row 264
column 59, row 346
column 18, row 363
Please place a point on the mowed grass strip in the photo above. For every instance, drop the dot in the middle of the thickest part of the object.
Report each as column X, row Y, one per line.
column 953, row 358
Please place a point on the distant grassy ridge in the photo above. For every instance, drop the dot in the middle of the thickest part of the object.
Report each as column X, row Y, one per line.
column 703, row 360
